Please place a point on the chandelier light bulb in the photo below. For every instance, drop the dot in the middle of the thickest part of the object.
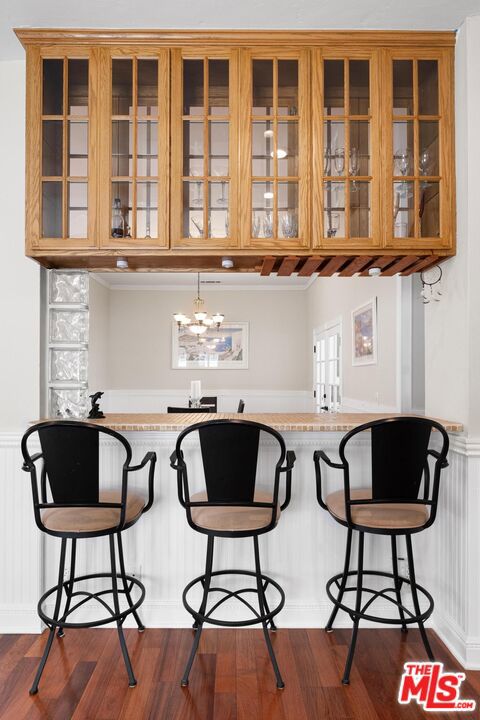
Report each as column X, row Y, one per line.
column 197, row 329
column 208, row 321
column 178, row 317
column 200, row 315
column 218, row 318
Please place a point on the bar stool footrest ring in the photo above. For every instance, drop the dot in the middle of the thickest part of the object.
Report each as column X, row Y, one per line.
column 227, row 594
column 87, row 596
column 409, row 617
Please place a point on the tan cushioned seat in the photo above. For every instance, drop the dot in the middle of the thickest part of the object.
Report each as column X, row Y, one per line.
column 392, row 515
column 230, row 518
column 85, row 519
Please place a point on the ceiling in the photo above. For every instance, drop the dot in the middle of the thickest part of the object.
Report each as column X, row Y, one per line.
column 222, row 14
column 208, row 281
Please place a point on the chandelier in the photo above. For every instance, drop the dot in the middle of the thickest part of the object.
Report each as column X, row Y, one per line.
column 202, row 321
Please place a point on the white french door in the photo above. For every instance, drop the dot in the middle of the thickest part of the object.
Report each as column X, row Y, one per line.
column 327, row 367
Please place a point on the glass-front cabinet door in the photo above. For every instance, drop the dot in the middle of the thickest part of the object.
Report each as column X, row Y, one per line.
column 346, row 162
column 204, row 149
column 135, row 149
column 419, row 187
column 60, row 147
column 274, row 162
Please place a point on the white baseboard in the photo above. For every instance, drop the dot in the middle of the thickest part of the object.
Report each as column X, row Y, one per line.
column 19, row 619
column 464, row 649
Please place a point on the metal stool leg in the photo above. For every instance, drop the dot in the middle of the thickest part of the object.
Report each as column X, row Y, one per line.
column 51, row 635
column 271, row 622
column 203, row 607
column 69, row 586
column 260, row 591
column 416, row 604
column 348, row 550
column 358, row 605
column 116, row 604
column 141, row 626
column 397, row 583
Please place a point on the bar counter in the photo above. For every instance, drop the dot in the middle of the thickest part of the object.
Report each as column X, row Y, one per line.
column 283, row 422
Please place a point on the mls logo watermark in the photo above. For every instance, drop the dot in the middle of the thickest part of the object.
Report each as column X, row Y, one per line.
column 431, row 687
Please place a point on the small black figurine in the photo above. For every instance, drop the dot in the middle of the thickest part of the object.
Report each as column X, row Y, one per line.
column 95, row 413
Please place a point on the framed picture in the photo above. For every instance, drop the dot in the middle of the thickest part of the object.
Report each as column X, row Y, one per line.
column 222, row 349
column 364, row 334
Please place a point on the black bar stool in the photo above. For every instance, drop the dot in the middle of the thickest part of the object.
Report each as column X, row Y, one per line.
column 79, row 508
column 401, row 500
column 232, row 505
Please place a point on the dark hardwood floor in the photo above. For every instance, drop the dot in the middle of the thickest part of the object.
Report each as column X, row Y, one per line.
column 231, row 678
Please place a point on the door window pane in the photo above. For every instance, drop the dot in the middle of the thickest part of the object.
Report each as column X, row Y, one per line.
column 77, row 209
column 403, row 209
column 287, row 87
column 147, row 149
column 218, row 87
column 147, row 193
column 52, row 87
column 403, row 87
column 262, row 209
column 429, row 211
column 78, row 87
column 193, row 148
column 193, row 209
column 334, row 209
column 403, row 148
column 334, row 148
column 262, row 148
column 122, row 143
column 218, row 209
column 122, row 98
column 359, row 160
column 359, row 82
column 147, row 90
column 52, row 148
column 219, row 150
column 262, row 87
column 287, row 222
column 287, row 148
column 428, row 87
column 121, row 209
column 428, row 151
column 77, row 148
column 360, row 209
column 333, row 87
column 193, row 82
column 51, row 209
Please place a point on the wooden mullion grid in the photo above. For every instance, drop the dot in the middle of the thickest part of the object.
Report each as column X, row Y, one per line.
column 134, row 121
column 275, row 149
column 416, row 193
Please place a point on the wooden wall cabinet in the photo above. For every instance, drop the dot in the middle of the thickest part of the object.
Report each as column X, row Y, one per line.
column 303, row 150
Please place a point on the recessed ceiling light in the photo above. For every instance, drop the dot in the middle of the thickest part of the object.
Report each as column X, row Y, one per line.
column 122, row 263
column 374, row 271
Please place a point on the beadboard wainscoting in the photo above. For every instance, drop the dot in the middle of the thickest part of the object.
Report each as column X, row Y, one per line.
column 302, row 553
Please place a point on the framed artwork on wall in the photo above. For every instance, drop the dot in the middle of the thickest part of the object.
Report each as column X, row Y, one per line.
column 364, row 334
column 225, row 348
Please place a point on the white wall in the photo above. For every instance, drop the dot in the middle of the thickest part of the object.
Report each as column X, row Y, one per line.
column 139, row 339
column 99, row 301
column 19, row 276
column 333, row 298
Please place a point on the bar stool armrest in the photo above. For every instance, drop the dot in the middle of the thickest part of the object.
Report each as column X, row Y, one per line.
column 29, row 466
column 317, row 456
column 150, row 457
column 291, row 458
column 437, row 456
column 177, row 463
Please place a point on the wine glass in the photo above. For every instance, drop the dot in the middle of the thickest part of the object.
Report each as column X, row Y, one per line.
column 354, row 167
column 424, row 166
column 198, row 225
column 333, row 224
column 402, row 162
column 327, row 159
column 268, row 225
column 288, row 225
column 339, row 160
column 222, row 200
column 255, row 225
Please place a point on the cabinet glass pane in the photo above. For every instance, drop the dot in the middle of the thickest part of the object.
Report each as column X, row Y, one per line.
column 403, row 87
column 52, row 209
column 428, row 151
column 334, row 148
column 287, row 148
column 77, row 194
column 262, row 101
column 287, row 87
column 262, row 148
column 218, row 145
column 360, row 161
column 218, row 87
column 334, row 209
column 428, row 87
column 77, row 148
column 193, row 209
column 429, row 211
column 193, row 87
column 147, row 90
column 52, row 87
column 147, row 214
column 359, row 82
column 122, row 87
column 147, row 148
column 359, row 209
column 193, row 148
column 403, row 148
column 121, row 209
column 333, row 87
column 287, row 209
column 218, row 210
column 262, row 209
column 52, row 148
column 122, row 143
column 78, row 87
column 403, row 209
